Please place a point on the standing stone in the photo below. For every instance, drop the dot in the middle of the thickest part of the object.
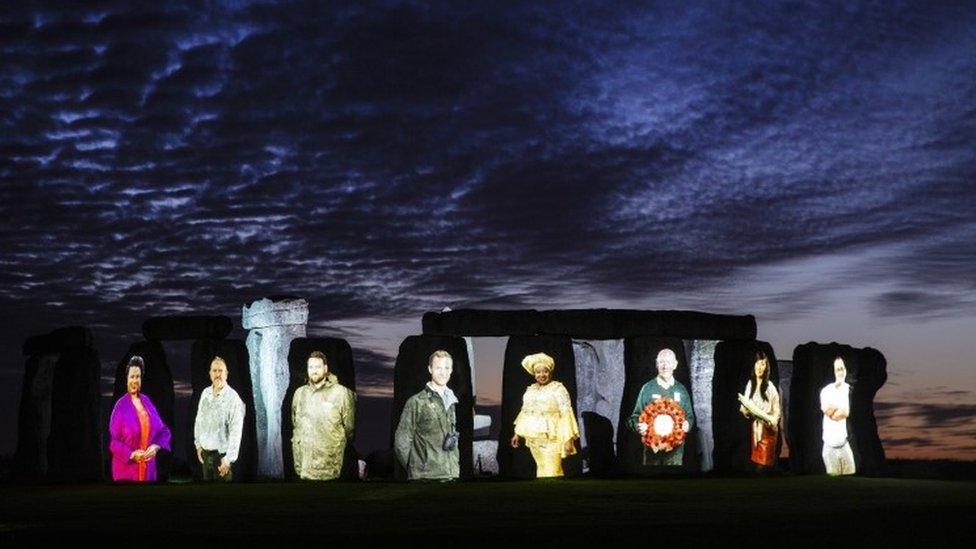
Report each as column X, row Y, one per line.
column 701, row 363
column 587, row 363
column 410, row 375
column 157, row 383
column 600, row 385
column 58, row 436
column 35, row 415
column 735, row 362
column 813, row 368
column 338, row 356
column 234, row 353
column 640, row 366
column 273, row 324
column 518, row 463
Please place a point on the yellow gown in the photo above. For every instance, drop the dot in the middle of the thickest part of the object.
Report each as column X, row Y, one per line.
column 546, row 422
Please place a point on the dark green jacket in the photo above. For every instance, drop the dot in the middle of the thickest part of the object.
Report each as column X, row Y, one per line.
column 650, row 392
column 420, row 435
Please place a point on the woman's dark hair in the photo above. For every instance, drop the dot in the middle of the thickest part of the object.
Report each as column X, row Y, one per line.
column 756, row 383
column 136, row 361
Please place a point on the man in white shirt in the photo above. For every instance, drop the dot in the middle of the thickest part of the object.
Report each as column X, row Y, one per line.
column 835, row 403
column 219, row 425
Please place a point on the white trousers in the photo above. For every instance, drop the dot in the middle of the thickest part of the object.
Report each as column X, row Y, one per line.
column 838, row 461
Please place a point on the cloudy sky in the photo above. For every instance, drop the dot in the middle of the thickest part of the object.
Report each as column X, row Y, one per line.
column 811, row 163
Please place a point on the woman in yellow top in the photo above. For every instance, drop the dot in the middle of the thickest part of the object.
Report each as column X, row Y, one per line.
column 546, row 420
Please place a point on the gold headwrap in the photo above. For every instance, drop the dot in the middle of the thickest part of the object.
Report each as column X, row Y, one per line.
column 530, row 362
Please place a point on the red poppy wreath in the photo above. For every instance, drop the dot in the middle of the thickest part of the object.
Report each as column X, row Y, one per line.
column 664, row 418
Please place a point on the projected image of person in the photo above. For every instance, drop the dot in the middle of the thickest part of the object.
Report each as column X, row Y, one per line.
column 323, row 415
column 426, row 438
column 546, row 420
column 761, row 405
column 136, row 431
column 219, row 425
column 835, row 403
column 663, row 414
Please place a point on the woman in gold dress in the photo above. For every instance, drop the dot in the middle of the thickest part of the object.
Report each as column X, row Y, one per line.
column 546, row 420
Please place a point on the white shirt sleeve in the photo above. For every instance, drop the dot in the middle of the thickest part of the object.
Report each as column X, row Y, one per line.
column 236, row 429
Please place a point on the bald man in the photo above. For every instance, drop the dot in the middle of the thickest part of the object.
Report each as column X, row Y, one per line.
column 663, row 386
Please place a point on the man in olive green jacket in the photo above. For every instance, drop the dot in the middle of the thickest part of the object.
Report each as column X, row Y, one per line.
column 426, row 437
column 323, row 415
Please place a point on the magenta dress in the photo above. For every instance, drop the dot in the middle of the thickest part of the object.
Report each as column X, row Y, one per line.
column 125, row 432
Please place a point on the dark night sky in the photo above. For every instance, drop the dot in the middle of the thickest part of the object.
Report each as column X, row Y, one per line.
column 811, row 163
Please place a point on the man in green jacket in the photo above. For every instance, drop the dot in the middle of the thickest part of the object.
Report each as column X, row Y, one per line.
column 426, row 437
column 663, row 386
column 323, row 415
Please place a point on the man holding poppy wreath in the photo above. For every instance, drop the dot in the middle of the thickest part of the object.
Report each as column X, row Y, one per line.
column 662, row 389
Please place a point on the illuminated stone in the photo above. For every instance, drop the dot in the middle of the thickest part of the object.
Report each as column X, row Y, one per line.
column 813, row 369
column 234, row 353
column 732, row 432
column 701, row 363
column 485, row 457
column 599, row 381
column 272, row 326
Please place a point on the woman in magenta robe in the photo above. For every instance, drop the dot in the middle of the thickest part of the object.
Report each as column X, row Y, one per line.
column 136, row 431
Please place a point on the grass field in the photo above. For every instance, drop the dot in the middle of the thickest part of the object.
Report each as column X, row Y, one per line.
column 727, row 511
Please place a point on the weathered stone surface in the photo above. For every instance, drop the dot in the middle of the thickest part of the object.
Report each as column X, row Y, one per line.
column 600, row 386
column 734, row 364
column 701, row 363
column 157, row 382
column 586, row 362
column 518, row 463
column 640, row 354
column 485, row 457
column 265, row 313
column 273, row 325
column 338, row 355
column 812, row 370
column 183, row 327
column 410, row 374
column 234, row 353
column 58, row 431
